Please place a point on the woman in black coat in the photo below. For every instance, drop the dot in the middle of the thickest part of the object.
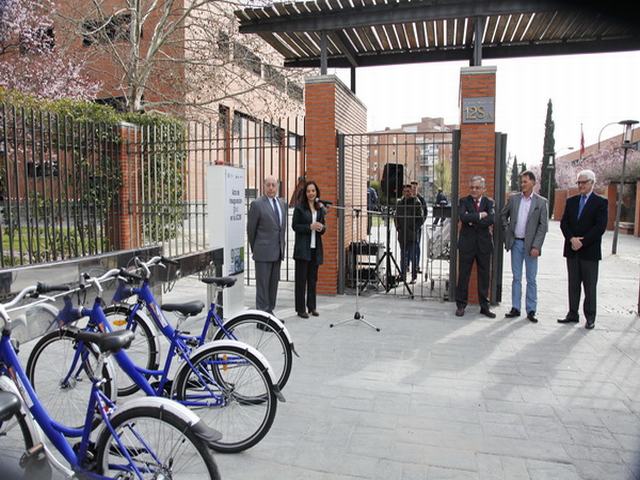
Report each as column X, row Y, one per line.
column 309, row 225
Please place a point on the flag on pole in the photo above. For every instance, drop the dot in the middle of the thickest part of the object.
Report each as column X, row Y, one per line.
column 581, row 142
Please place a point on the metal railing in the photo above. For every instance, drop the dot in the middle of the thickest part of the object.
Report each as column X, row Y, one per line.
column 58, row 183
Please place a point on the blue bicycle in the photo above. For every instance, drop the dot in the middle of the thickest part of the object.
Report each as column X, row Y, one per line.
column 227, row 382
column 263, row 331
column 146, row 438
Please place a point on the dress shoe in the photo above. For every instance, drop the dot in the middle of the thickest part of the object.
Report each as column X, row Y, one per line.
column 531, row 316
column 460, row 312
column 413, row 280
column 568, row 320
column 314, row 313
column 590, row 324
column 487, row 313
column 514, row 312
column 303, row 314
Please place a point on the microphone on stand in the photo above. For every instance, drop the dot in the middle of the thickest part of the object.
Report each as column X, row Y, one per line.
column 323, row 203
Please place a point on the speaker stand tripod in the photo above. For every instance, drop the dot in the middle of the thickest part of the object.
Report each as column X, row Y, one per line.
column 357, row 316
column 390, row 279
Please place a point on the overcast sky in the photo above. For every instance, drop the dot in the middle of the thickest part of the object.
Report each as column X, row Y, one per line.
column 589, row 89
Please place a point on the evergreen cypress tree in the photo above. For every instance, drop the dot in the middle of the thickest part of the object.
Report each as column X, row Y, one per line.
column 514, row 175
column 547, row 177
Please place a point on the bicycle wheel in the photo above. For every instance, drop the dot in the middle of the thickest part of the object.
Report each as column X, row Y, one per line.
column 58, row 372
column 231, row 390
column 267, row 337
column 144, row 351
column 160, row 444
column 15, row 441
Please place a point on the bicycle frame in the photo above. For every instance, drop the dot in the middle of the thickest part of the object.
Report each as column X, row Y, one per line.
column 146, row 298
column 178, row 347
column 54, row 431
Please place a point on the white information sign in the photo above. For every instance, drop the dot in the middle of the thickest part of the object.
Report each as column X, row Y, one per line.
column 226, row 219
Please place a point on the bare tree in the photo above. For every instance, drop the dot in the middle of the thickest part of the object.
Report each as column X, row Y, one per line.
column 183, row 54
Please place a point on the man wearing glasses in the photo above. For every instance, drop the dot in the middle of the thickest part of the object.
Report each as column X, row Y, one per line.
column 475, row 244
column 583, row 223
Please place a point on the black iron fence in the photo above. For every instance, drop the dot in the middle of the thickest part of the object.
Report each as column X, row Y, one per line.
column 71, row 188
column 58, row 184
column 391, row 246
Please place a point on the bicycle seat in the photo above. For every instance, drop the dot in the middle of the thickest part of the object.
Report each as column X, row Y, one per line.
column 9, row 405
column 187, row 309
column 220, row 281
column 108, row 342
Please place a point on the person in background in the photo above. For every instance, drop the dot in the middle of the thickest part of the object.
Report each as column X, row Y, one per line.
column 373, row 205
column 583, row 223
column 309, row 224
column 408, row 218
column 296, row 192
column 525, row 223
column 475, row 244
column 423, row 218
column 441, row 201
column 266, row 225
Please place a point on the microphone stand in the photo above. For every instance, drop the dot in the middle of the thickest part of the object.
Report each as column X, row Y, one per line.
column 357, row 316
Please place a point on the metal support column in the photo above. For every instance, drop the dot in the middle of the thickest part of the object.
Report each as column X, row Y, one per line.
column 476, row 61
column 323, row 53
column 340, row 140
column 453, row 249
column 499, row 179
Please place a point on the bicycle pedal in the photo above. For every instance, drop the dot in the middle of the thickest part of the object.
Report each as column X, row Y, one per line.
column 34, row 454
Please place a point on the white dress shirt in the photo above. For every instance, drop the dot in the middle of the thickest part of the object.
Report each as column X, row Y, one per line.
column 523, row 213
column 314, row 218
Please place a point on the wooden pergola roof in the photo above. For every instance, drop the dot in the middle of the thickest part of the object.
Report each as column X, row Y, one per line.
column 383, row 32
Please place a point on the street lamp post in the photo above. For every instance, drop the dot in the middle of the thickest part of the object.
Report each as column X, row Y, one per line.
column 626, row 145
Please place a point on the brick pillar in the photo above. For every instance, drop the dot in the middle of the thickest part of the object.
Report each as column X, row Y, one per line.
column 636, row 222
column 559, row 203
column 477, row 142
column 126, row 230
column 330, row 108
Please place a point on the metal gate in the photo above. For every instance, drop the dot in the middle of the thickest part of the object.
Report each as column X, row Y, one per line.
column 379, row 252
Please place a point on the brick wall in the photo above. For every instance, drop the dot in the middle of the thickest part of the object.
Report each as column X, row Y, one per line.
column 330, row 108
column 477, row 143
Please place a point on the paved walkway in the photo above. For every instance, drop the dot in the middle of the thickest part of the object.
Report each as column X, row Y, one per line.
column 434, row 396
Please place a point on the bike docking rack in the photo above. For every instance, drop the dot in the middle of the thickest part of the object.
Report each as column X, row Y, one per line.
column 357, row 316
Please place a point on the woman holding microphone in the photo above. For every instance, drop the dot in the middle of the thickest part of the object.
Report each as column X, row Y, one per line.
column 309, row 225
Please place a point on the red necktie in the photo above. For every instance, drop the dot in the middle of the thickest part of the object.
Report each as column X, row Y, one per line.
column 476, row 204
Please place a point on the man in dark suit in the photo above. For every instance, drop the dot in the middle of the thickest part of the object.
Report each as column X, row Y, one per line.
column 266, row 225
column 477, row 214
column 583, row 223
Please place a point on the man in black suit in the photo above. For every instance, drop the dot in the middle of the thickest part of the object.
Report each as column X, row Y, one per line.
column 477, row 214
column 583, row 223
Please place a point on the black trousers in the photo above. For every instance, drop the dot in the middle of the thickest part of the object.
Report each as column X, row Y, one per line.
column 466, row 259
column 306, row 280
column 582, row 273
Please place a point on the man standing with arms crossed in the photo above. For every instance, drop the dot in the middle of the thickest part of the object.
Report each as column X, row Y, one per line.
column 583, row 223
column 266, row 225
column 424, row 210
column 475, row 243
column 525, row 223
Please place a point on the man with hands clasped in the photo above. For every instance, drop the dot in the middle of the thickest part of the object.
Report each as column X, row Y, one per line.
column 583, row 223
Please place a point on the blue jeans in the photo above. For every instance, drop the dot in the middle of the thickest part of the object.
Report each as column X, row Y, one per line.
column 518, row 257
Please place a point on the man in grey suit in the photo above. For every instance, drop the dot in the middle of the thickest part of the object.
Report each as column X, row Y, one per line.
column 525, row 221
column 266, row 226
